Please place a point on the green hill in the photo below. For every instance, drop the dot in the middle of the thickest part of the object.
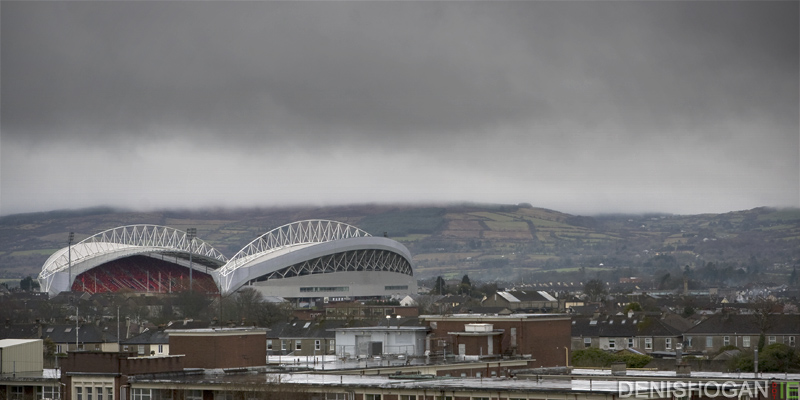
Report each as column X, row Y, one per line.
column 488, row 242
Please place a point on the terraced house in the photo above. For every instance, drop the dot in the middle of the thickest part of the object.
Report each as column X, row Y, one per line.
column 648, row 333
column 742, row 331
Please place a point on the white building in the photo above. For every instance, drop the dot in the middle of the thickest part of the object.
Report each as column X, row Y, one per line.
column 380, row 341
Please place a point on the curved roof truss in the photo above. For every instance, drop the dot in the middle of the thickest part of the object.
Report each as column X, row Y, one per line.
column 289, row 235
column 121, row 242
column 349, row 261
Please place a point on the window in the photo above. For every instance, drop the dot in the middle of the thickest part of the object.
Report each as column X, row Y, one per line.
column 109, row 393
column 408, row 397
column 612, row 344
column 772, row 340
column 398, row 287
column 709, row 341
column 630, row 342
column 283, row 345
column 140, row 394
column 161, row 349
column 587, row 342
column 223, row 395
column 338, row 396
column 193, row 395
column 162, row 394
column 58, row 349
column 17, row 392
column 745, row 341
column 89, row 393
column 791, row 341
column 373, row 397
column 480, row 398
column 298, row 345
column 99, row 393
column 648, row 343
column 317, row 345
column 48, row 392
column 269, row 344
column 141, row 350
column 78, row 393
column 688, row 341
column 331, row 345
column 668, row 343
column 726, row 340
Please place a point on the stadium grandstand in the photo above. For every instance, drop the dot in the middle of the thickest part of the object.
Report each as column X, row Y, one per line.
column 313, row 259
column 138, row 258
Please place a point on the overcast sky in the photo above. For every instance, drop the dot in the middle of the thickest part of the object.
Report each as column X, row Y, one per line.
column 582, row 107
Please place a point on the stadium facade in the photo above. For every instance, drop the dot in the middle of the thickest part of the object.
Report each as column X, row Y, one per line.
column 315, row 259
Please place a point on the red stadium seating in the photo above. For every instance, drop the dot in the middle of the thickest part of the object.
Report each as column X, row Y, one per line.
column 142, row 274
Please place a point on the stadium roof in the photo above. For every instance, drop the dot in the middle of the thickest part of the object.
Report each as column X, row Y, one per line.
column 290, row 250
column 64, row 265
column 295, row 243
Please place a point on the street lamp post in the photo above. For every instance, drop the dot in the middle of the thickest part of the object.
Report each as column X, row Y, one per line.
column 69, row 252
column 190, row 234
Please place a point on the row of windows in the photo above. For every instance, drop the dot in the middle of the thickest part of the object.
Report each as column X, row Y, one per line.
column 612, row 343
column 94, row 393
column 726, row 341
column 155, row 394
column 42, row 393
column 398, row 287
column 298, row 345
column 141, row 348
column 311, row 289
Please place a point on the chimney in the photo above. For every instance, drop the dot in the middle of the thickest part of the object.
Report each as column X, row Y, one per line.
column 685, row 285
column 619, row 368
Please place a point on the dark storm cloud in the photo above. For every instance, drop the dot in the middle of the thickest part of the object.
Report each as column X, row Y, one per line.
column 406, row 67
column 566, row 97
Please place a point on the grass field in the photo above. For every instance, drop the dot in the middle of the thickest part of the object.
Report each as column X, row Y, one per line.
column 492, row 216
column 507, row 225
column 37, row 252
column 411, row 237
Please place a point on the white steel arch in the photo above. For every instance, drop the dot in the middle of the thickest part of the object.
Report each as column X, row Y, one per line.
column 294, row 234
column 116, row 243
column 298, row 243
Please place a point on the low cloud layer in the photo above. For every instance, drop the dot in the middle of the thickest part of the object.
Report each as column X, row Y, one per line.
column 583, row 107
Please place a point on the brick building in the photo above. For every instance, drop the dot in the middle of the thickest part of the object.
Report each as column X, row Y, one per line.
column 101, row 375
column 220, row 347
column 544, row 338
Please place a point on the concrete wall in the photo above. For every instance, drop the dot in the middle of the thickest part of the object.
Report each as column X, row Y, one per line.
column 358, row 283
column 17, row 355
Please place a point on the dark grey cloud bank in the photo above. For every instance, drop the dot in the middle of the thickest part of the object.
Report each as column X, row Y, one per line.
column 579, row 106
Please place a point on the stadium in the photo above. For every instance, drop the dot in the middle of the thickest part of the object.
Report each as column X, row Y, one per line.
column 312, row 259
